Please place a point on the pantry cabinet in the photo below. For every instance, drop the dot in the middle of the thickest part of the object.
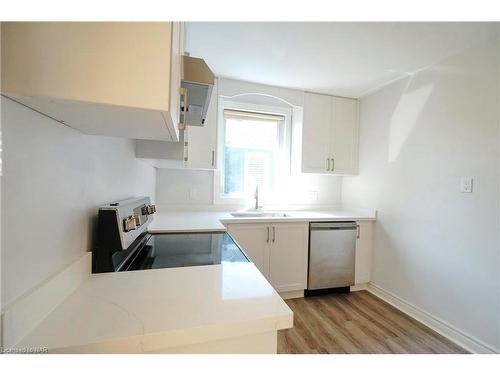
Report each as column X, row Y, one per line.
column 104, row 78
column 329, row 135
column 278, row 250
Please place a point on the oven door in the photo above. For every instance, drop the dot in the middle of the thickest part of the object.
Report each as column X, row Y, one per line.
column 140, row 256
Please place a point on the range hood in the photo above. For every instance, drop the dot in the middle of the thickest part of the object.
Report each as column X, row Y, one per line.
column 198, row 82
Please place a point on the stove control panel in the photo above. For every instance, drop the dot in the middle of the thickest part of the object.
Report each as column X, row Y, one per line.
column 125, row 220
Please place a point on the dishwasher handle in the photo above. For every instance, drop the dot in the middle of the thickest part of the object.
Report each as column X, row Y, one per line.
column 349, row 225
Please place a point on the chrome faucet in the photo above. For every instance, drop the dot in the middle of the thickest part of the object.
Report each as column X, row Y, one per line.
column 256, row 196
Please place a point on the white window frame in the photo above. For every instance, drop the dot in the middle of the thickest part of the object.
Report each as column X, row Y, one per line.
column 227, row 103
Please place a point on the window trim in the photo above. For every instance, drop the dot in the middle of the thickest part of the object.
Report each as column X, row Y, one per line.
column 227, row 103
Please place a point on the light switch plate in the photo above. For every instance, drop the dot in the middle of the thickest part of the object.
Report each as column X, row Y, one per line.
column 466, row 185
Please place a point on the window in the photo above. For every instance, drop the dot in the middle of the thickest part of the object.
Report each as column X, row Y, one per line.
column 254, row 152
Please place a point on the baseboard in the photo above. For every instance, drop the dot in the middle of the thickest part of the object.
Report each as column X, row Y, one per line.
column 452, row 333
column 292, row 294
column 27, row 311
column 358, row 287
column 300, row 293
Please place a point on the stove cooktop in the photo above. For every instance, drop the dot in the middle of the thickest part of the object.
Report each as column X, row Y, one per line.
column 180, row 250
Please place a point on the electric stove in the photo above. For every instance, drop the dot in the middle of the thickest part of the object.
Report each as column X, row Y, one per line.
column 124, row 244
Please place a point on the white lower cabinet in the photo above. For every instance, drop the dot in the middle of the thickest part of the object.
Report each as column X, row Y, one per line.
column 278, row 250
column 254, row 239
column 363, row 260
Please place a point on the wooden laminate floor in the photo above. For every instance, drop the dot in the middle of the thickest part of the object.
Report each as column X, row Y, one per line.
column 357, row 322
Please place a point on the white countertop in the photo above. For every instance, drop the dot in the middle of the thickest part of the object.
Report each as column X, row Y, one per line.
column 185, row 221
column 150, row 310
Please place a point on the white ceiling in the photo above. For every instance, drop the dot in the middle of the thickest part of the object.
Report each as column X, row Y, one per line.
column 346, row 59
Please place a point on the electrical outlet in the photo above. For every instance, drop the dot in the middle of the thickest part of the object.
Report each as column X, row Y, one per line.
column 466, row 185
column 312, row 196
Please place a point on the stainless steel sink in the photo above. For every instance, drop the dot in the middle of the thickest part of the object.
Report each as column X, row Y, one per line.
column 260, row 214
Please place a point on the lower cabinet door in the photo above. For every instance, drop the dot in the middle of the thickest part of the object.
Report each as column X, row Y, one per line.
column 364, row 244
column 254, row 239
column 288, row 256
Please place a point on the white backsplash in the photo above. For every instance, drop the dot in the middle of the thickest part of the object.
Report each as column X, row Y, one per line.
column 177, row 187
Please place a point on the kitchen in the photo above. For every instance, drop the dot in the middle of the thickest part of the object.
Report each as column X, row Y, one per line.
column 171, row 195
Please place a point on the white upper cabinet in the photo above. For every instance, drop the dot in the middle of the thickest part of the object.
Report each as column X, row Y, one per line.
column 201, row 141
column 197, row 148
column 330, row 135
column 105, row 78
column 316, row 133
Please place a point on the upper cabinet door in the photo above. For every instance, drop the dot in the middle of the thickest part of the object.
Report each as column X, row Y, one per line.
column 330, row 135
column 316, row 133
column 201, row 147
column 344, row 136
column 103, row 78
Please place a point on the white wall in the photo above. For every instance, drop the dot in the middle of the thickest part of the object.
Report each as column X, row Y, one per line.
column 436, row 247
column 54, row 179
column 304, row 189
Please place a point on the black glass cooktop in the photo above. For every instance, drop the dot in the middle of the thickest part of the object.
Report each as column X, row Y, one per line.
column 180, row 250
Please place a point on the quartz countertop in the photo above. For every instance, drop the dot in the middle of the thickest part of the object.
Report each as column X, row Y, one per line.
column 151, row 310
column 188, row 221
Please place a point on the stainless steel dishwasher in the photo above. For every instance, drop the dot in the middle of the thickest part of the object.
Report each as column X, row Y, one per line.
column 331, row 256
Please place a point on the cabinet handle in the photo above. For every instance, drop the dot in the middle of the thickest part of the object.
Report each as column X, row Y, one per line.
column 186, row 148
column 213, row 158
column 333, row 165
column 183, row 108
column 267, row 236
column 328, row 164
column 274, row 234
column 358, row 230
